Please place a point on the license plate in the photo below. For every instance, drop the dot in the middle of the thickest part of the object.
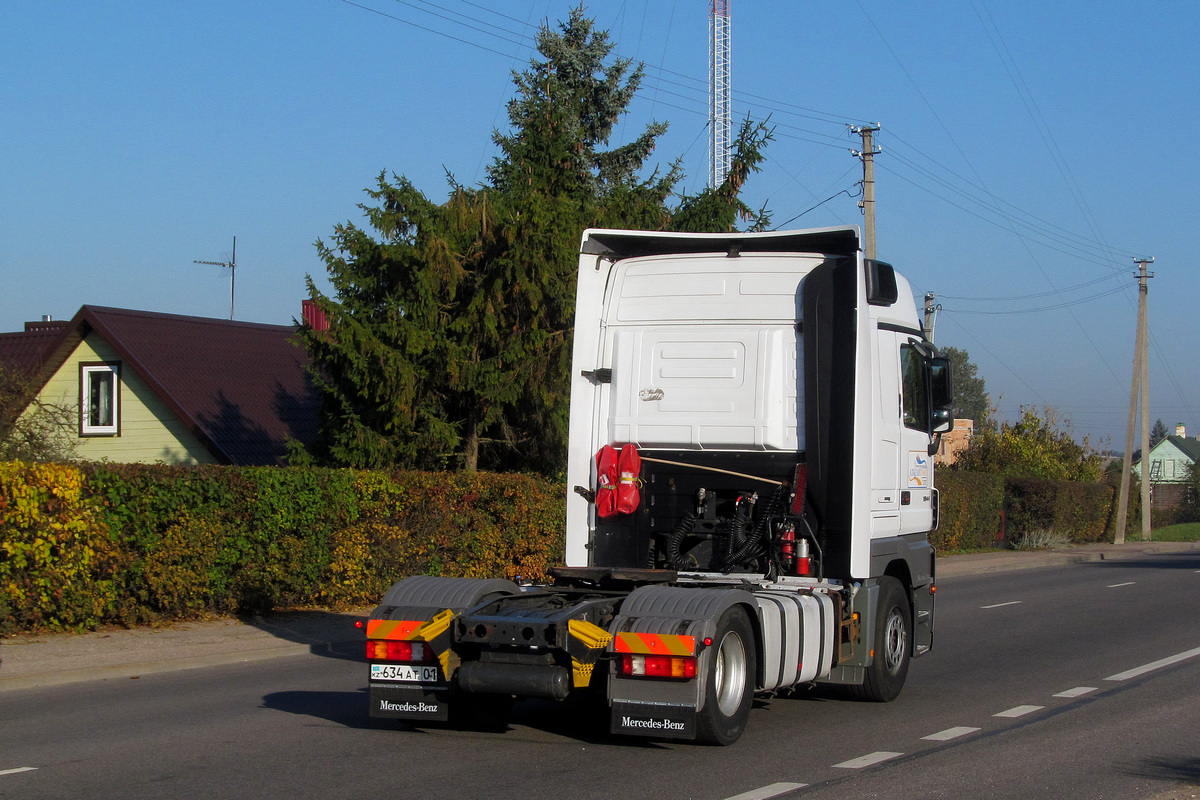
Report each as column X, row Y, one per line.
column 404, row 672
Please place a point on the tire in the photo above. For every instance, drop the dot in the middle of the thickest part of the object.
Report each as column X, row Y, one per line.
column 892, row 644
column 729, row 680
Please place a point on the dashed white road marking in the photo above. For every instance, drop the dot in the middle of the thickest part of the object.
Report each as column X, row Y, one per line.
column 949, row 733
column 868, row 760
column 1018, row 711
column 1076, row 692
column 765, row 792
column 1162, row 662
column 1119, row 585
column 16, row 770
column 1001, row 605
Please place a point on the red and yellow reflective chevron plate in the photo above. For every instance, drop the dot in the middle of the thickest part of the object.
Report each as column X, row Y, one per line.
column 657, row 644
column 398, row 629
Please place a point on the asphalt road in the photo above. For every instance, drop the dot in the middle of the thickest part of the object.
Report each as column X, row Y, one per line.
column 1059, row 682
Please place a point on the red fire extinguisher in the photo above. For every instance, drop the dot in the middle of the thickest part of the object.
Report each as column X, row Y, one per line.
column 803, row 563
column 788, row 551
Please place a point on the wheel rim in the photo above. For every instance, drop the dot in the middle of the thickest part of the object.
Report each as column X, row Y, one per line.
column 895, row 641
column 729, row 674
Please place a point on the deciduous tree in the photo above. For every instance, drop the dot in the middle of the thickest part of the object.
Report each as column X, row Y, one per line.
column 970, row 393
column 1033, row 446
column 31, row 430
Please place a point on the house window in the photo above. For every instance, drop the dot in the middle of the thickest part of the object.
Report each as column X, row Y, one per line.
column 100, row 399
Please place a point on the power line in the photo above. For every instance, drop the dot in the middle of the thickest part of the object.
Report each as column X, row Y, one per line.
column 1055, row 307
column 1034, row 296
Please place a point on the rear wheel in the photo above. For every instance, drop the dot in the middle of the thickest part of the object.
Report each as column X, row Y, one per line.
column 729, row 682
column 892, row 643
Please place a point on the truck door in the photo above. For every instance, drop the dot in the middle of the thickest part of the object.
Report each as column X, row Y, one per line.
column 916, row 487
column 886, row 461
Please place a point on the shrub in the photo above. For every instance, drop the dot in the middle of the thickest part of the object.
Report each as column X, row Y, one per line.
column 57, row 562
column 1041, row 539
column 972, row 505
column 132, row 543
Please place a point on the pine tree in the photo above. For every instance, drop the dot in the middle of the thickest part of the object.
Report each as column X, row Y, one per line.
column 1157, row 433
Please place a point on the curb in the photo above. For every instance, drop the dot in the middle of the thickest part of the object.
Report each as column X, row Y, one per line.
column 1010, row 560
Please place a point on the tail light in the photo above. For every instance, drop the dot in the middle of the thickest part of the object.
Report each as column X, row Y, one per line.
column 639, row 666
column 391, row 650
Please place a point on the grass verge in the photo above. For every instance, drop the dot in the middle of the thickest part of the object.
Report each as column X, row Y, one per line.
column 1184, row 532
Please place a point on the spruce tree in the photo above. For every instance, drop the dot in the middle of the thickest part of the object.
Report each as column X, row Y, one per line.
column 450, row 336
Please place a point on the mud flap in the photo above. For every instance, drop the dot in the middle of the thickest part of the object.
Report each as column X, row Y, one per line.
column 426, row 704
column 660, row 720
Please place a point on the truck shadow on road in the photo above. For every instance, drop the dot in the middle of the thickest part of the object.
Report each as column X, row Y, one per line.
column 344, row 708
column 581, row 721
column 328, row 633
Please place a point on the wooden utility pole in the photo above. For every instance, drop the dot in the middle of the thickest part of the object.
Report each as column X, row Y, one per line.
column 931, row 310
column 1141, row 380
column 867, row 154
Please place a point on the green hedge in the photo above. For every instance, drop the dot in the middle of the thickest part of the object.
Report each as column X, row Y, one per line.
column 981, row 510
column 131, row 543
column 1082, row 512
column 972, row 507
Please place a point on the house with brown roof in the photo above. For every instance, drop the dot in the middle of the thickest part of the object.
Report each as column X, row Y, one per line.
column 167, row 388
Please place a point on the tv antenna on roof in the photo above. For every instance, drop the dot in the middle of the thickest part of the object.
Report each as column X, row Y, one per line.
column 230, row 265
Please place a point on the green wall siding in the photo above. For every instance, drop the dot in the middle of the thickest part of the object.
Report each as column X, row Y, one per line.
column 149, row 431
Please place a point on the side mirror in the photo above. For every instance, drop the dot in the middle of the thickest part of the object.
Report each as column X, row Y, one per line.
column 941, row 421
column 941, row 387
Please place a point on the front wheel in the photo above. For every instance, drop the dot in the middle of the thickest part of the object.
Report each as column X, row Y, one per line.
column 892, row 644
column 729, row 682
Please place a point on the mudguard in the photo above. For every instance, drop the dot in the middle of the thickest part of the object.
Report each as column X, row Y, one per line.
column 674, row 619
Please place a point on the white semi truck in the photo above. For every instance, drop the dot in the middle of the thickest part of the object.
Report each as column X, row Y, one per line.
column 753, row 418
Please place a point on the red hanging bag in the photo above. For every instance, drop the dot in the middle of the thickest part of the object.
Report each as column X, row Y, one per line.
column 630, row 468
column 606, row 481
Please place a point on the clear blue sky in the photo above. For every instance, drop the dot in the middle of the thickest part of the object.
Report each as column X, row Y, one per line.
column 1029, row 150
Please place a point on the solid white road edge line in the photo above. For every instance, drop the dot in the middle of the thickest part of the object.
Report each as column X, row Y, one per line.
column 1002, row 605
column 1119, row 585
column 1164, row 662
column 774, row 790
column 949, row 733
column 1018, row 711
column 16, row 770
column 868, row 760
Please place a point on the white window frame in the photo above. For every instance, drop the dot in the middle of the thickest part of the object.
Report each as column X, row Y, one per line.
column 88, row 375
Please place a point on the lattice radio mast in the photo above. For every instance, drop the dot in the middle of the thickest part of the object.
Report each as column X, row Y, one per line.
column 719, row 89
